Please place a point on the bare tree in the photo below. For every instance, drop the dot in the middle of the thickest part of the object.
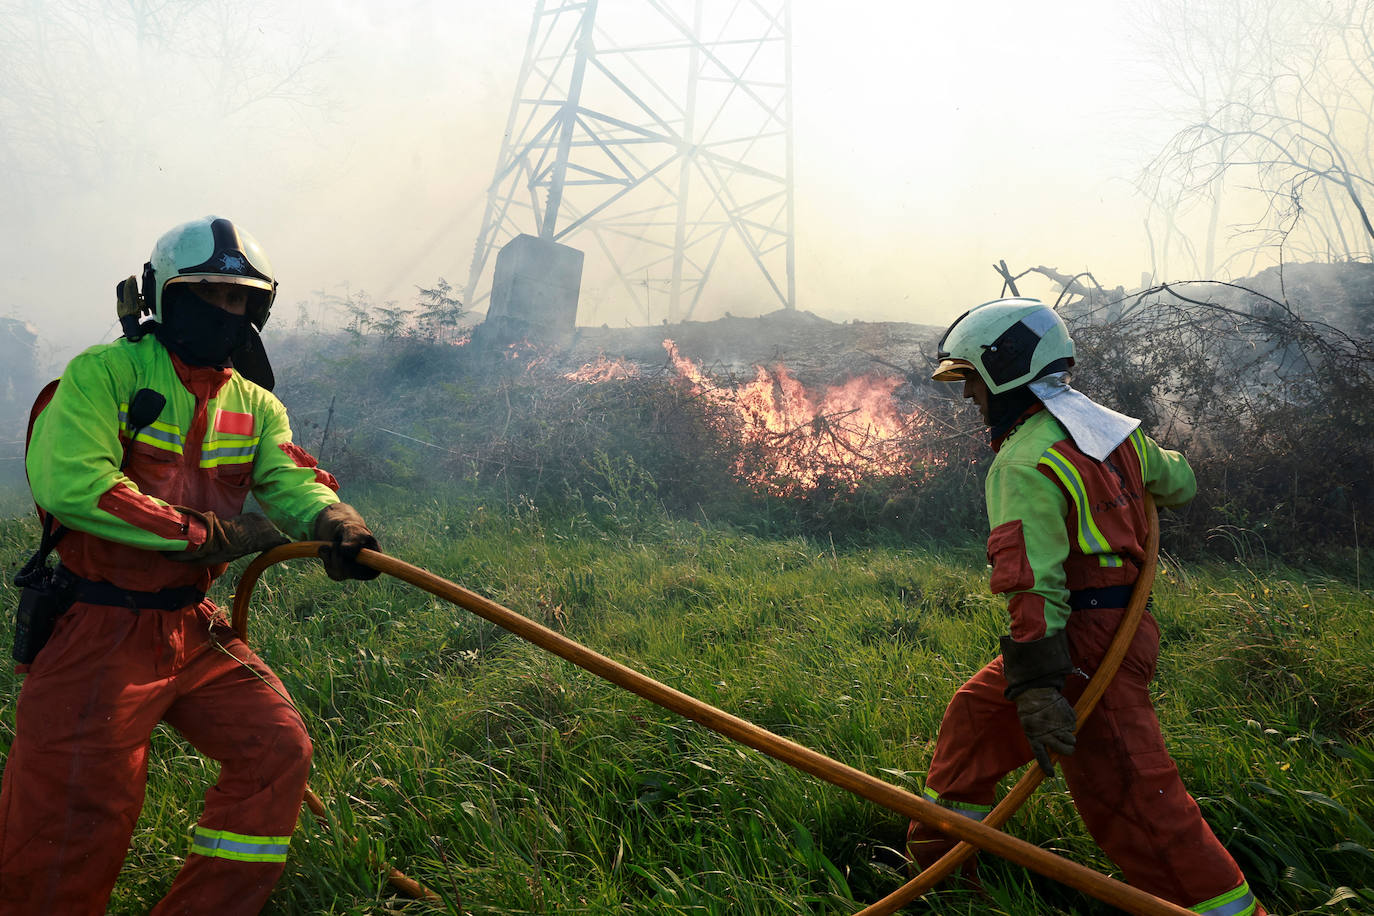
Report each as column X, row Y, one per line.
column 1268, row 395
column 1207, row 54
column 1279, row 140
column 81, row 81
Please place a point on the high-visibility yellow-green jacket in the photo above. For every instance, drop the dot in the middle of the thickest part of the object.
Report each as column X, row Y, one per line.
column 218, row 438
column 1063, row 521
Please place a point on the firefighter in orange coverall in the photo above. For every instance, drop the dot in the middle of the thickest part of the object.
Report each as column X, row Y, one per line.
column 152, row 514
column 1064, row 498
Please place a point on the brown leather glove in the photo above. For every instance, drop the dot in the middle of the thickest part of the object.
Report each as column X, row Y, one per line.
column 1035, row 671
column 228, row 539
column 1048, row 721
column 344, row 529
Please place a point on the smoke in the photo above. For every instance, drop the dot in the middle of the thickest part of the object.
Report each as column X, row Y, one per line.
column 357, row 143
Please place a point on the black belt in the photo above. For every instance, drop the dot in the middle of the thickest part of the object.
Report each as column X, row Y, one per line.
column 167, row 599
column 1111, row 596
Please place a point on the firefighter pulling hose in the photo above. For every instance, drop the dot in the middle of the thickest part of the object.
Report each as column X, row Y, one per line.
column 1031, row 779
column 1065, row 500
column 140, row 460
column 142, row 456
column 1123, row 896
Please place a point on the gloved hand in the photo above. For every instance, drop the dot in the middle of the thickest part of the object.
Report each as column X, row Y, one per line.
column 1035, row 672
column 1048, row 721
column 130, row 303
column 228, row 539
column 344, row 529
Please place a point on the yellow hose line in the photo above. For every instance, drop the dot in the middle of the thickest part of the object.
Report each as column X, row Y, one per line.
column 1097, row 885
column 398, row 879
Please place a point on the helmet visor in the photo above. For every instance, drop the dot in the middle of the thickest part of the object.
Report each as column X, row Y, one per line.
column 220, row 278
column 953, row 370
column 260, row 292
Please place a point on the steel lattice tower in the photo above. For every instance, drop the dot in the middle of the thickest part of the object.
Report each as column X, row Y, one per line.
column 656, row 134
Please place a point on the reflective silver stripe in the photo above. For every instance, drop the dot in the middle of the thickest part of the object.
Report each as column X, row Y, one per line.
column 240, row 847
column 226, row 451
column 1238, row 902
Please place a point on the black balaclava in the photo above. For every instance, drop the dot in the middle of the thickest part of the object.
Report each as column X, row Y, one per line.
column 1006, row 408
column 200, row 333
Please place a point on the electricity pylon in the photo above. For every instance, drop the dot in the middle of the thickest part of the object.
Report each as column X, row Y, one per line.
column 660, row 132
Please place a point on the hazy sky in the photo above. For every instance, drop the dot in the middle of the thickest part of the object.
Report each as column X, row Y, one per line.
column 931, row 140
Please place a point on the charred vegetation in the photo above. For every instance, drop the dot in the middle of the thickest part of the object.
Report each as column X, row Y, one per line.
column 790, row 422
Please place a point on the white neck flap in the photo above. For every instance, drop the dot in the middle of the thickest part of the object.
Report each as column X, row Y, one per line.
column 1095, row 429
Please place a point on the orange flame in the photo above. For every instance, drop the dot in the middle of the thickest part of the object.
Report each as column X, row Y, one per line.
column 796, row 440
column 535, row 355
column 603, row 370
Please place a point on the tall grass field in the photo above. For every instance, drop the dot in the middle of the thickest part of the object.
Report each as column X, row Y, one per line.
column 509, row 781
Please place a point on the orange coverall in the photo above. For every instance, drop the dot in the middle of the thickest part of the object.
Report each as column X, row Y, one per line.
column 1069, row 531
column 117, row 663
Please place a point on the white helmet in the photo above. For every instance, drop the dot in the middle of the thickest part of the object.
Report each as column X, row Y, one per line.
column 1009, row 342
column 211, row 249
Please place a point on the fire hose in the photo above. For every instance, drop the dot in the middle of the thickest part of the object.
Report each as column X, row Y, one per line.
column 975, row 833
column 1030, row 781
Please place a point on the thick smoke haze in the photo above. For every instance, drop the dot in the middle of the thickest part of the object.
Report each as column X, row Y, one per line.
column 356, row 140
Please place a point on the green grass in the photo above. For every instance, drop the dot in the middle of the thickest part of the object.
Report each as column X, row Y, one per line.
column 512, row 780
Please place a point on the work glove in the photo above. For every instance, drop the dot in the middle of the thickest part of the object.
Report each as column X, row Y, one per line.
column 129, row 302
column 227, row 539
column 1035, row 672
column 347, row 534
column 1048, row 721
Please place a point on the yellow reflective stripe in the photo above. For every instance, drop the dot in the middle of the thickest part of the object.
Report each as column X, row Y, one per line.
column 1090, row 537
column 1239, row 902
column 227, row 460
column 976, row 812
column 240, row 847
column 157, row 434
column 1138, row 442
column 228, row 451
column 148, row 438
column 237, row 444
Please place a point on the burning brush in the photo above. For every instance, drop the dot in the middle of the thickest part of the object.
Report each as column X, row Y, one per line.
column 791, row 440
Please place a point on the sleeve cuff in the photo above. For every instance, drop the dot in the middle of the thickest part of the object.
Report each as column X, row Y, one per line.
column 194, row 530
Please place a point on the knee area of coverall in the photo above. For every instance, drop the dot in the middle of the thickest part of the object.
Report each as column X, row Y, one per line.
column 303, row 753
column 290, row 751
column 288, row 740
column 287, row 754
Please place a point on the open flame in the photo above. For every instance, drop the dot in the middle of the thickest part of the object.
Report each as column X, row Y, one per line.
column 603, row 370
column 535, row 356
column 793, row 439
